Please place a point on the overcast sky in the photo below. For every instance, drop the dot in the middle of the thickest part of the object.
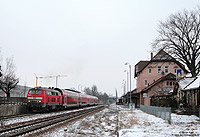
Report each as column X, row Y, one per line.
column 87, row 40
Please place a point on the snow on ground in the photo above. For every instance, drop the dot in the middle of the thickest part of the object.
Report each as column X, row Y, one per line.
column 128, row 124
column 148, row 125
column 32, row 117
column 125, row 123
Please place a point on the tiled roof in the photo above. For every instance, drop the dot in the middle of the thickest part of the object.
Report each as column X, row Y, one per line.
column 141, row 65
column 169, row 76
column 161, row 56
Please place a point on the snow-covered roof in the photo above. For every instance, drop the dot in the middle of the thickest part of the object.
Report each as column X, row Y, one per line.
column 194, row 84
column 184, row 83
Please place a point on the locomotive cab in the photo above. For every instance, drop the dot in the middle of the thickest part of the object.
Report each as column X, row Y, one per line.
column 43, row 99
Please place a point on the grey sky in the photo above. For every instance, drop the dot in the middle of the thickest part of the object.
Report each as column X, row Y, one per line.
column 88, row 40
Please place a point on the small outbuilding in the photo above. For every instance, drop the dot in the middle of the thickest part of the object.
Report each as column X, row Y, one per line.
column 187, row 92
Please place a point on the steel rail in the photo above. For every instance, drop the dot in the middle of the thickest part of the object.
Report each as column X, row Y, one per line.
column 44, row 122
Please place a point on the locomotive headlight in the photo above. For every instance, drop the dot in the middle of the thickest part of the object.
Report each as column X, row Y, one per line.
column 38, row 98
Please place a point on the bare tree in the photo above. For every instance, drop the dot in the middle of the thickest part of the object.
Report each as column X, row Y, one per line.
column 87, row 91
column 104, row 98
column 8, row 80
column 94, row 92
column 179, row 36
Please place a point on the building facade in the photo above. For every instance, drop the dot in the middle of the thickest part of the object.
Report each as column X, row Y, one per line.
column 156, row 76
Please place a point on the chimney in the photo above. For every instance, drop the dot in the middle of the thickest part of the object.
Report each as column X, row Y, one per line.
column 151, row 55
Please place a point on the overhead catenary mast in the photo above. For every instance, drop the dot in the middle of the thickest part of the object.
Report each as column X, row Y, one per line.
column 49, row 77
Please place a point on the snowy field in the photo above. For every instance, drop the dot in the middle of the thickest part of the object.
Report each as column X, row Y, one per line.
column 130, row 124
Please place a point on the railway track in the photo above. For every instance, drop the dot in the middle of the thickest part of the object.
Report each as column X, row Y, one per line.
column 2, row 118
column 29, row 126
column 14, row 116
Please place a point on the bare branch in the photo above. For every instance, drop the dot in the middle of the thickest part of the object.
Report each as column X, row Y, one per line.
column 179, row 36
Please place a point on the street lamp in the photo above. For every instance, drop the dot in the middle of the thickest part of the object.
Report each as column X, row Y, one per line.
column 126, row 77
column 57, row 80
column 130, row 78
column 124, row 86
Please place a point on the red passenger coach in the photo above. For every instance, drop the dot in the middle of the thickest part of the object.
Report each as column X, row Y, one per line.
column 70, row 98
column 44, row 99
column 83, row 100
column 93, row 100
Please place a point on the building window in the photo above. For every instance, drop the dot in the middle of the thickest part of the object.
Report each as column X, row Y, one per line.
column 150, row 70
column 145, row 82
column 166, row 69
column 167, row 83
column 175, row 69
column 159, row 69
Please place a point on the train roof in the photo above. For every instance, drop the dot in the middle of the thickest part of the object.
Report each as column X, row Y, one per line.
column 43, row 88
column 73, row 90
column 67, row 90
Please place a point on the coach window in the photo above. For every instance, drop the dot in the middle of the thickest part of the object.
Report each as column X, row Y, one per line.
column 38, row 92
column 32, row 92
column 65, row 100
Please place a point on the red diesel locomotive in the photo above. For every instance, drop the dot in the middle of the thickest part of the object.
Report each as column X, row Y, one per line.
column 45, row 99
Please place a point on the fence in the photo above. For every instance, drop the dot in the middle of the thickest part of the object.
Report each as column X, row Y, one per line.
column 162, row 112
column 13, row 100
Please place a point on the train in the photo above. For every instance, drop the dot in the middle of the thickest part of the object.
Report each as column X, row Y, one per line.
column 42, row 99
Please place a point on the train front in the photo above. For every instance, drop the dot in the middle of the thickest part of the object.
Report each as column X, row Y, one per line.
column 36, row 100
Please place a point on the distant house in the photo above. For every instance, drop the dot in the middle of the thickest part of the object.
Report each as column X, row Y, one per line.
column 156, row 76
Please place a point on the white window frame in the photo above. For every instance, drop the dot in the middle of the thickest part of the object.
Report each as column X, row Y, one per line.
column 150, row 70
column 166, row 69
column 159, row 69
column 146, row 82
column 175, row 69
